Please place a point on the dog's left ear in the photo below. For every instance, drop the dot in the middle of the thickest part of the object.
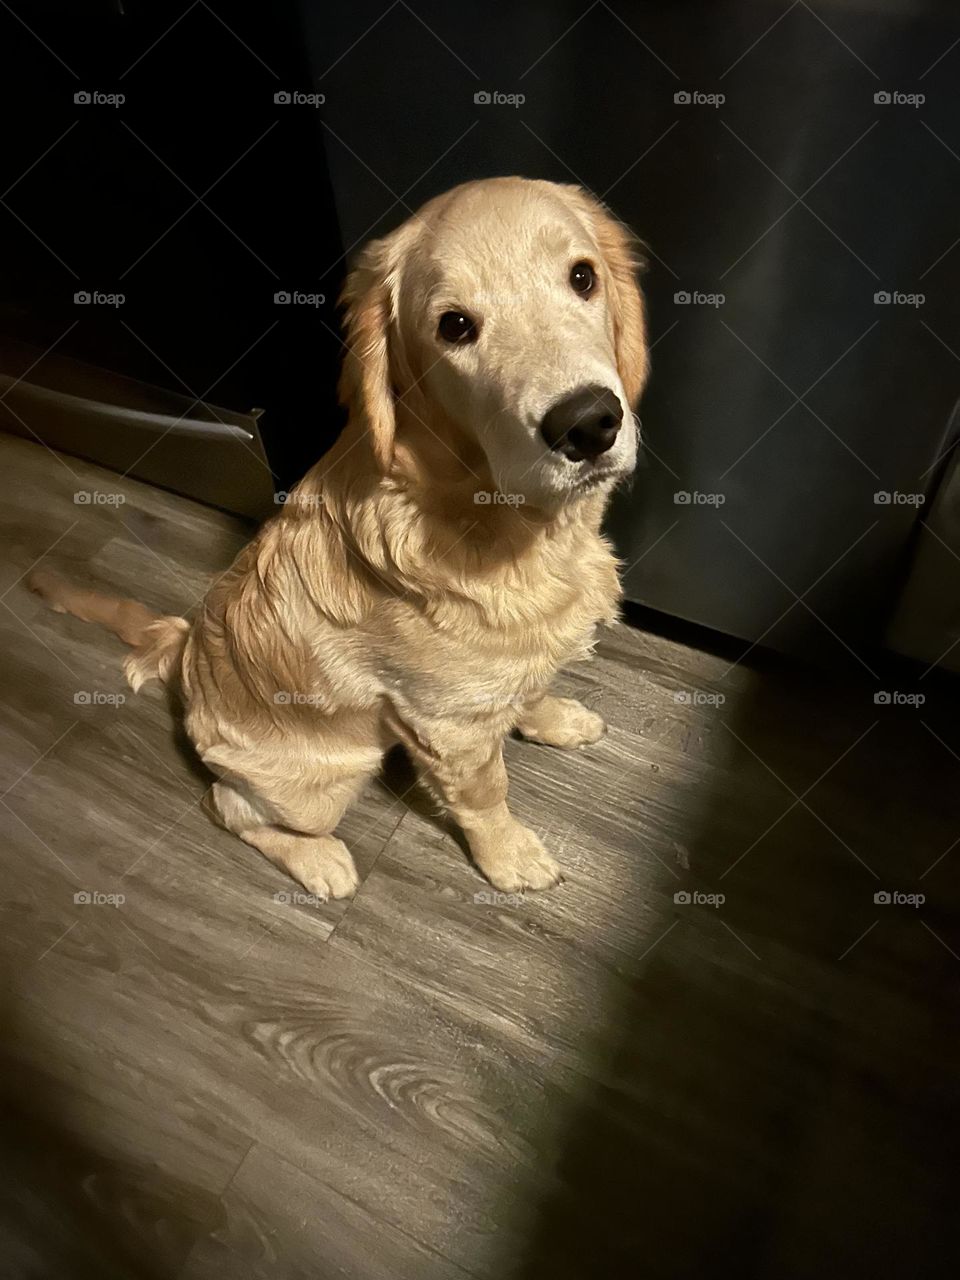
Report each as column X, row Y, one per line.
column 620, row 251
column 366, row 385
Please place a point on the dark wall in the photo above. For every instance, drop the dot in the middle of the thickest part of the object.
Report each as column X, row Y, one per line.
column 103, row 198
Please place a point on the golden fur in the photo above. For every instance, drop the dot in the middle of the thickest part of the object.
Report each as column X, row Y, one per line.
column 384, row 603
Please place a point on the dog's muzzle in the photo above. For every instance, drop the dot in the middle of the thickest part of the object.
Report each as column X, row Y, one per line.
column 583, row 425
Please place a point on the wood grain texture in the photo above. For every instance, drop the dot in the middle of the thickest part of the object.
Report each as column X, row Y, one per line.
column 207, row 1079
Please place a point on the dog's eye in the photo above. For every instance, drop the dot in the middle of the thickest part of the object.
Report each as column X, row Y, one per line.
column 582, row 279
column 456, row 327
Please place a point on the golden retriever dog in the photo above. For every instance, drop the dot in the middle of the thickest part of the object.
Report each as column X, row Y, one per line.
column 426, row 579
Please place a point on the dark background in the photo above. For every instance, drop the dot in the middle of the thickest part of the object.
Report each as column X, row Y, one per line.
column 107, row 200
column 711, row 190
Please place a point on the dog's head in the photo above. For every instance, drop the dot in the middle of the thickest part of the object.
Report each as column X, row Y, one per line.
column 506, row 315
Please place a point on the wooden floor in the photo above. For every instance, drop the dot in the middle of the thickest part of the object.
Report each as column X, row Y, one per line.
column 209, row 1080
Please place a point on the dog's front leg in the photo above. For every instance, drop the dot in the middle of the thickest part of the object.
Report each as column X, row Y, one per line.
column 559, row 722
column 473, row 783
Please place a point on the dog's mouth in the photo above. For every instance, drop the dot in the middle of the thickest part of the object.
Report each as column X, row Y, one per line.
column 596, row 476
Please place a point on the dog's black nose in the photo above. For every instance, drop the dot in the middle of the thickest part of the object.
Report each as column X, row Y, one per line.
column 584, row 424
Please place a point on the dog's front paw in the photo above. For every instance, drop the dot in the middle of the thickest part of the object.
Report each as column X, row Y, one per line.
column 561, row 722
column 518, row 861
column 326, row 869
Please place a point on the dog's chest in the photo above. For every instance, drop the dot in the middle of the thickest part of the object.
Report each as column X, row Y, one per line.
column 495, row 649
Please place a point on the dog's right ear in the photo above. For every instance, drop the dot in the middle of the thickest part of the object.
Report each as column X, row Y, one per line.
column 366, row 388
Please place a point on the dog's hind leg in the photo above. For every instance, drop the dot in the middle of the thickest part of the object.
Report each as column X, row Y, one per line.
column 311, row 854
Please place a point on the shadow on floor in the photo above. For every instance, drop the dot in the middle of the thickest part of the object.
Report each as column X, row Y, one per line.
column 779, row 1089
column 67, row 1211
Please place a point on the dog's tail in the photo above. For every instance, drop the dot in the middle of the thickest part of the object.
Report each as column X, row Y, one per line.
column 157, row 640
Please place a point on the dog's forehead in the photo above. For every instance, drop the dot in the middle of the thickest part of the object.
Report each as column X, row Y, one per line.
column 488, row 231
